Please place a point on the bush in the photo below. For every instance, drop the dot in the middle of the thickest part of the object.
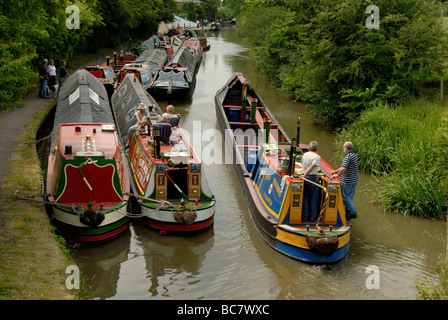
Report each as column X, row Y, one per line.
column 405, row 147
column 434, row 289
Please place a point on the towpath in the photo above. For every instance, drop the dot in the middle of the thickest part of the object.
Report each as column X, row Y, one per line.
column 11, row 124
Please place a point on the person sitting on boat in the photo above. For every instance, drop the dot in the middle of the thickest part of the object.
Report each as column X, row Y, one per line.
column 165, row 128
column 310, row 163
column 174, row 118
column 142, row 116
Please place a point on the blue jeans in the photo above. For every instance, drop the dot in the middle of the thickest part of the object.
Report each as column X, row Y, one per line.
column 348, row 194
column 43, row 88
column 310, row 198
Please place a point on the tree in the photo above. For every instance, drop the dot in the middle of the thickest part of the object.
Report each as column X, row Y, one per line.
column 324, row 54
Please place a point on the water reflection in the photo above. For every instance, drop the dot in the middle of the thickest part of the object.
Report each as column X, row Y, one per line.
column 231, row 261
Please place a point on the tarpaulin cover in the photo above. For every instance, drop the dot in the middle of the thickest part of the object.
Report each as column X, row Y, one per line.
column 154, row 58
column 82, row 99
column 125, row 103
column 185, row 58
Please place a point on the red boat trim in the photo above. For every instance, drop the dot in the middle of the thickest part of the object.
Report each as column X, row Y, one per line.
column 95, row 238
column 177, row 227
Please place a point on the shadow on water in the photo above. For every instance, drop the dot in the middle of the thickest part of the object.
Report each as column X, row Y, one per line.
column 231, row 261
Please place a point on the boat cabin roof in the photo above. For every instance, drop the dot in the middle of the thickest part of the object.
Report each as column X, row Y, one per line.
column 87, row 140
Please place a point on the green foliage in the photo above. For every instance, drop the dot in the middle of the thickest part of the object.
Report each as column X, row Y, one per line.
column 323, row 53
column 31, row 30
column 434, row 289
column 236, row 7
column 405, row 147
column 193, row 12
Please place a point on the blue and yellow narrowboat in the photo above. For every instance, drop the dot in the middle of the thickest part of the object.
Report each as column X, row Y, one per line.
column 269, row 169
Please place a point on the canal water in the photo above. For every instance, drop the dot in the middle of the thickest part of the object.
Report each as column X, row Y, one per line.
column 388, row 252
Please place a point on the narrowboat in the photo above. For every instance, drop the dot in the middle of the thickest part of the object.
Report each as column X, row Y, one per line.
column 170, row 192
column 195, row 46
column 145, row 67
column 177, row 78
column 87, row 182
column 120, row 60
column 168, row 43
column 200, row 35
column 105, row 74
column 215, row 26
column 141, row 71
column 268, row 166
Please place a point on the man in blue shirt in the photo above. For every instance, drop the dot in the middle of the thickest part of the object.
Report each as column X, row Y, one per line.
column 348, row 177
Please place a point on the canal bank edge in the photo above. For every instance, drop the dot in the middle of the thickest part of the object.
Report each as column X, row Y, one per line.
column 25, row 251
column 33, row 259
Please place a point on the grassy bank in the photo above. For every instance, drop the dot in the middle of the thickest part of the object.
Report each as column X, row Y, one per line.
column 405, row 148
column 32, row 258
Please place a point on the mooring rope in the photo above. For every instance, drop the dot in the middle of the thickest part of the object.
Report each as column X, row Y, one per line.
column 42, row 139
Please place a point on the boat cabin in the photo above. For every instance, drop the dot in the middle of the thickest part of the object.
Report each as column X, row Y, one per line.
column 87, row 151
column 142, row 72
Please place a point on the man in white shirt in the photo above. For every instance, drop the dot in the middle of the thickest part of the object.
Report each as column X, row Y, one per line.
column 310, row 163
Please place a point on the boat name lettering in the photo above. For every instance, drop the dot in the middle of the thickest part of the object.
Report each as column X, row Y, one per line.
column 268, row 200
column 276, row 186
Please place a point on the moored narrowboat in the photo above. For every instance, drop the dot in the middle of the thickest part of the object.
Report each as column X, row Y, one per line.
column 177, row 79
column 87, row 183
column 268, row 166
column 105, row 74
column 167, row 178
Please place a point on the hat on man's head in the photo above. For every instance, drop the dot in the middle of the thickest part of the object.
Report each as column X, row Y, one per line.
column 141, row 105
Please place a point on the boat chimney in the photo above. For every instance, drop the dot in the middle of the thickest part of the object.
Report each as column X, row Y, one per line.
column 253, row 110
column 157, row 142
column 107, row 60
column 298, row 131
column 68, row 149
column 267, row 126
column 292, row 156
column 115, row 58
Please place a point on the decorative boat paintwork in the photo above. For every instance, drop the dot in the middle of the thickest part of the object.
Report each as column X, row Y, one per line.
column 170, row 189
column 87, row 184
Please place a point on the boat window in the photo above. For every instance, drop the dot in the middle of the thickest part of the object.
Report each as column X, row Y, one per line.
column 94, row 96
column 74, row 96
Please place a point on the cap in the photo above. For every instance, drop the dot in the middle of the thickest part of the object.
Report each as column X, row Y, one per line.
column 141, row 106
